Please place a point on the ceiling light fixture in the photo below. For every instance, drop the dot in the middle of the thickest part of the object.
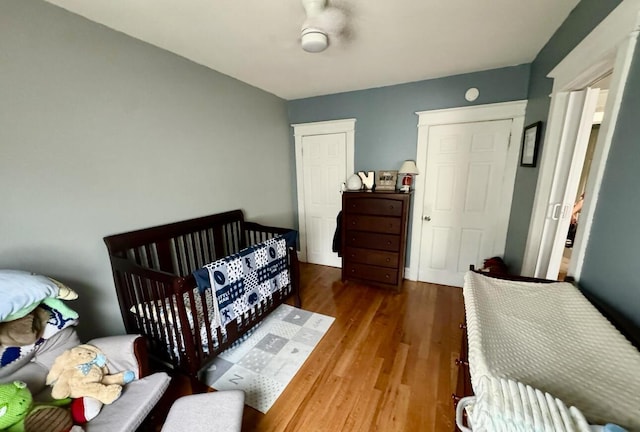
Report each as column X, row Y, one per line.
column 324, row 24
column 314, row 40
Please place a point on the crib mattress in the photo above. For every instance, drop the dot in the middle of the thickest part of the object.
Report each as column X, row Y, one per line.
column 550, row 337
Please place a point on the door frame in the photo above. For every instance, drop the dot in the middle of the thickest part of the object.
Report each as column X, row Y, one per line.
column 300, row 130
column 610, row 46
column 426, row 119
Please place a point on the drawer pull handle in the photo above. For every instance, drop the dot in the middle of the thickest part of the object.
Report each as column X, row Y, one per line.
column 386, row 276
column 388, row 259
column 353, row 223
column 460, row 362
column 462, row 326
column 455, row 399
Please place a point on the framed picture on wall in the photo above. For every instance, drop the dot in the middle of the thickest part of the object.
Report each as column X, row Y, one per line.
column 530, row 144
column 386, row 180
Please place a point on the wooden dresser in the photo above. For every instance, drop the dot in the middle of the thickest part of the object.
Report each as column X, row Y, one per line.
column 374, row 237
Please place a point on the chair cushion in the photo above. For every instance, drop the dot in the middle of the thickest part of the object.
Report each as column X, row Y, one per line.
column 217, row 411
column 119, row 351
column 132, row 407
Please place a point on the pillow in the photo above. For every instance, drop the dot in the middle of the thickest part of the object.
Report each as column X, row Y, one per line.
column 19, row 290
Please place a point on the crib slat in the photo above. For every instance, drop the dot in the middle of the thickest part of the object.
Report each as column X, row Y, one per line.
column 163, row 249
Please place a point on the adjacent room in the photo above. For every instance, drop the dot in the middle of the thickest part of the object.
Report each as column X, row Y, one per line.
column 319, row 215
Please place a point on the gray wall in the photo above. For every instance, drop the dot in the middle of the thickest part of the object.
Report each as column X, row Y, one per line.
column 101, row 133
column 386, row 126
column 611, row 263
column 584, row 18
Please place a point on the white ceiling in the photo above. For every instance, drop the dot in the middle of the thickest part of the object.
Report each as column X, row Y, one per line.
column 392, row 42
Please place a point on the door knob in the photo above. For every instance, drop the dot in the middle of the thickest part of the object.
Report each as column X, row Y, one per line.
column 427, row 218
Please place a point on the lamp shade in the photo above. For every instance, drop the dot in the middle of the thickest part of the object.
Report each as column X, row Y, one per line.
column 408, row 167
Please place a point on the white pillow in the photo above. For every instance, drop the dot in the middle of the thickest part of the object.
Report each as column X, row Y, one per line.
column 20, row 289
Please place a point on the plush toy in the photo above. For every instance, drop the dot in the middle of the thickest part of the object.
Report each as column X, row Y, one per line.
column 24, row 331
column 15, row 403
column 82, row 371
column 84, row 409
column 17, row 414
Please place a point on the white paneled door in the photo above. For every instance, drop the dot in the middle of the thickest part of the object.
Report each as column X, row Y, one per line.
column 324, row 164
column 465, row 170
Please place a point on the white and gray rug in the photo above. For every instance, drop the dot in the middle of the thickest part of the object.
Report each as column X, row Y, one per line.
column 264, row 364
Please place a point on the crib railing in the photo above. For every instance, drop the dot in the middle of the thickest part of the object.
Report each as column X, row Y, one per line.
column 157, row 294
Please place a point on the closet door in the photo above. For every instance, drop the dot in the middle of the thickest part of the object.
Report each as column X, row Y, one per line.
column 324, row 160
column 461, row 215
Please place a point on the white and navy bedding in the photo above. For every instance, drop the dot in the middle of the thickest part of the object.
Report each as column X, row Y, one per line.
column 234, row 288
column 244, row 280
column 549, row 336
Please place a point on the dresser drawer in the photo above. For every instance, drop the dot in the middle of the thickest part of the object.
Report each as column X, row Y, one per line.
column 376, row 206
column 372, row 257
column 372, row 273
column 387, row 225
column 359, row 239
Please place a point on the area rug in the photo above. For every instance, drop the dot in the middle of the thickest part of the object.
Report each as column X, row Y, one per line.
column 265, row 363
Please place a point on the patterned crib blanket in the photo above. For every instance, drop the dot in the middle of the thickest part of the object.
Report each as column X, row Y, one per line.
column 245, row 280
column 57, row 321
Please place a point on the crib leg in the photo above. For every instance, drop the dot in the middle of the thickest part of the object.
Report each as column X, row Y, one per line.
column 295, row 276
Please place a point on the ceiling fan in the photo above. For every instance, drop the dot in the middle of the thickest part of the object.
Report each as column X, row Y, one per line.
column 323, row 25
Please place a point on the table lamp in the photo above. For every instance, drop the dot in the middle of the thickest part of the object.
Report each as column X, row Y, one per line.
column 409, row 169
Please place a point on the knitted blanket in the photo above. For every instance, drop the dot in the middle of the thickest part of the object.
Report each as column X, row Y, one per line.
column 550, row 337
column 57, row 322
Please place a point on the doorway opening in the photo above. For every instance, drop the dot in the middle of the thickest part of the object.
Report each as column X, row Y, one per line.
column 609, row 47
column 603, row 85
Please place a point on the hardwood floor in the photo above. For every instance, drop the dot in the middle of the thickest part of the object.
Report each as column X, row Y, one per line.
column 386, row 363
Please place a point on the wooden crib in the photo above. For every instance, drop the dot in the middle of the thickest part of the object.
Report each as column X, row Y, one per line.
column 157, row 293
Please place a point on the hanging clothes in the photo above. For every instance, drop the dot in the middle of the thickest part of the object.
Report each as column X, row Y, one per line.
column 337, row 236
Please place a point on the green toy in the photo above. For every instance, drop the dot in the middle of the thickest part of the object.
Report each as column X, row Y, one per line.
column 15, row 403
column 16, row 408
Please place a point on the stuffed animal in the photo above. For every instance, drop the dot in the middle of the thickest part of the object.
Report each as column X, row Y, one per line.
column 82, row 371
column 15, row 403
column 24, row 331
column 84, row 409
column 17, row 414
